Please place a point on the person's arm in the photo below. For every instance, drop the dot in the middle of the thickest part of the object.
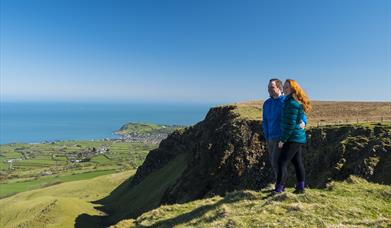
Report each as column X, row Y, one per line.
column 264, row 122
column 303, row 120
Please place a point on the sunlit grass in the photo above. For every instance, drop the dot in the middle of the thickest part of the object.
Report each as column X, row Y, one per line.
column 352, row 203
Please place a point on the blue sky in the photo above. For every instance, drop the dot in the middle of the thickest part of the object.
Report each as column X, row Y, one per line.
column 193, row 51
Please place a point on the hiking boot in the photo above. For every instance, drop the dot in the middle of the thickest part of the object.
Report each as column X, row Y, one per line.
column 299, row 188
column 278, row 189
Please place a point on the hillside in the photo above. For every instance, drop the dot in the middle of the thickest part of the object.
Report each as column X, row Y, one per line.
column 354, row 203
column 146, row 128
column 216, row 174
column 226, row 152
column 59, row 205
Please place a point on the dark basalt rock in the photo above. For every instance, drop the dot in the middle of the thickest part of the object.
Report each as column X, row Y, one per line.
column 226, row 153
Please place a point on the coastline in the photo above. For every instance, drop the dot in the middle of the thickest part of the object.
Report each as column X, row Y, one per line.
column 39, row 121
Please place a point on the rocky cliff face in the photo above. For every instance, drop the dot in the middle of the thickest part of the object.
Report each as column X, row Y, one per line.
column 226, row 152
column 334, row 153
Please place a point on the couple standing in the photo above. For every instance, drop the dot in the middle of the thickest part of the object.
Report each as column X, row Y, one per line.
column 283, row 126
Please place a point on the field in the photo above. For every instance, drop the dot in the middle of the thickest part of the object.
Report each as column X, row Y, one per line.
column 38, row 165
column 329, row 112
column 58, row 205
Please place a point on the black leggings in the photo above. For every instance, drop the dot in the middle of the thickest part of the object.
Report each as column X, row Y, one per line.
column 290, row 152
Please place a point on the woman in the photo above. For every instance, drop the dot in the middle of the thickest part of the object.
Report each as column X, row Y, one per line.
column 293, row 137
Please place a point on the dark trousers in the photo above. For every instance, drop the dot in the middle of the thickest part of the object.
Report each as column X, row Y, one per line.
column 290, row 152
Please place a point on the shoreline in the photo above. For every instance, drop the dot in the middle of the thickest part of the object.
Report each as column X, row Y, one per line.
column 58, row 140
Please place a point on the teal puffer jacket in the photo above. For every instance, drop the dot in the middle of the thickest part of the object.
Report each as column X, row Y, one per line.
column 291, row 116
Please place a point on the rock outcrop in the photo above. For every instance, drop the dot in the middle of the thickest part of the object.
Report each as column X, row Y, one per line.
column 226, row 152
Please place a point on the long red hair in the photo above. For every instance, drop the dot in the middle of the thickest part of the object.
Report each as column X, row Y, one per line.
column 299, row 95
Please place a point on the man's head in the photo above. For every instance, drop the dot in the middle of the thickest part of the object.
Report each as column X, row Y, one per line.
column 275, row 87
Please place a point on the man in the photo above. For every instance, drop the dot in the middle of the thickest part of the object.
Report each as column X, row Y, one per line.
column 272, row 120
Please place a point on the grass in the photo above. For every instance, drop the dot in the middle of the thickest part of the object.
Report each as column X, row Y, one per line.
column 331, row 112
column 354, row 203
column 50, row 158
column 11, row 188
column 369, row 125
column 59, row 205
column 100, row 159
column 146, row 128
column 41, row 154
column 138, row 128
column 246, row 111
column 327, row 113
column 146, row 195
column 253, row 111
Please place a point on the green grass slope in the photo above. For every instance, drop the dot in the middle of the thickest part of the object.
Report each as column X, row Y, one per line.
column 353, row 203
column 128, row 202
column 59, row 205
column 11, row 188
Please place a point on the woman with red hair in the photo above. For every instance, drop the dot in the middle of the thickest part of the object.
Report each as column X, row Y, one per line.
column 293, row 137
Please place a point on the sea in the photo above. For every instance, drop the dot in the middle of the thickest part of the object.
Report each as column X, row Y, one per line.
column 36, row 122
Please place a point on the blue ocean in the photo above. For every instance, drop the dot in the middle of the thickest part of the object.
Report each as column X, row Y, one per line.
column 33, row 122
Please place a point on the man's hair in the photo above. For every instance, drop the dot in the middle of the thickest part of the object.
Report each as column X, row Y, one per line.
column 277, row 81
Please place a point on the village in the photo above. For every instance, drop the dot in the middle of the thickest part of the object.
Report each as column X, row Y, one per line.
column 86, row 155
column 150, row 138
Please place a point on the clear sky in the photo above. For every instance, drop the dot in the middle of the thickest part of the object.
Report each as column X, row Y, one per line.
column 193, row 51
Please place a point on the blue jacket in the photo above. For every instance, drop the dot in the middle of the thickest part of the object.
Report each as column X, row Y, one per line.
column 292, row 114
column 271, row 123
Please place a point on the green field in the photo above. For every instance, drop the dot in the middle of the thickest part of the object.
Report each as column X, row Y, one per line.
column 58, row 205
column 11, row 188
column 47, row 163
